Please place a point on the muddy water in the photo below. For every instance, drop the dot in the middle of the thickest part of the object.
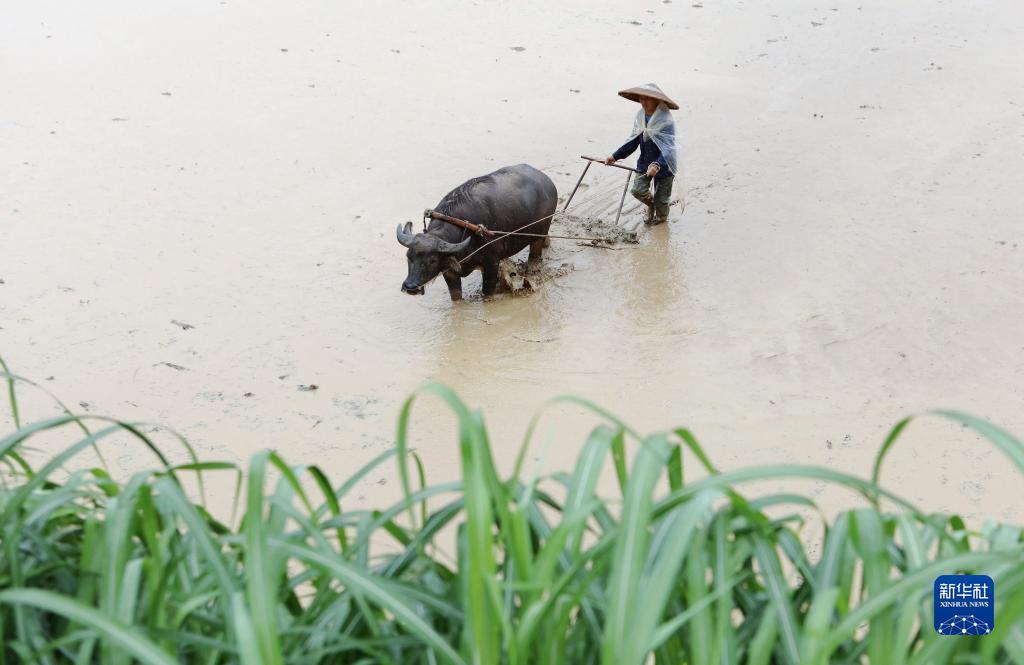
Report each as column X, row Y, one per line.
column 850, row 250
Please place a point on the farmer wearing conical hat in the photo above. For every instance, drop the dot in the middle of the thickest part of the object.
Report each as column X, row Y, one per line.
column 654, row 132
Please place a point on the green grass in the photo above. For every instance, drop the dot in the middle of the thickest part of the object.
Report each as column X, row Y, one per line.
column 487, row 569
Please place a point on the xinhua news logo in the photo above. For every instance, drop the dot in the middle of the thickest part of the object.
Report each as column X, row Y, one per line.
column 964, row 605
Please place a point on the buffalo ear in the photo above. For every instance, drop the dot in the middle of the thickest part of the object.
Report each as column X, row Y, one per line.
column 405, row 235
column 454, row 265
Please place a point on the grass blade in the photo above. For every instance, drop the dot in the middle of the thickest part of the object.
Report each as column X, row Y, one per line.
column 112, row 631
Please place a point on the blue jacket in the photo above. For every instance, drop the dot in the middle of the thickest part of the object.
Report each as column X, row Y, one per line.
column 649, row 152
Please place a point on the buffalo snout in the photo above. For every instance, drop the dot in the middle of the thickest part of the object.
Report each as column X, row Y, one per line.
column 412, row 289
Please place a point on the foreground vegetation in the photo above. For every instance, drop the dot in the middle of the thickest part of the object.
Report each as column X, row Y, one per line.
column 484, row 570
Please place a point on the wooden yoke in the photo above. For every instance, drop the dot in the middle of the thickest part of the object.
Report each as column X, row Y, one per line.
column 461, row 223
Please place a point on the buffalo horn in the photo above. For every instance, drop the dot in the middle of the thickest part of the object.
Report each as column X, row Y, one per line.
column 405, row 235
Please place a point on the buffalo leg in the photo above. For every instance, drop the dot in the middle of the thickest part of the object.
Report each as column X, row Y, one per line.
column 490, row 278
column 454, row 283
column 537, row 248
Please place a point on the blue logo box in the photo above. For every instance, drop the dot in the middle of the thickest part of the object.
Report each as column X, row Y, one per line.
column 965, row 605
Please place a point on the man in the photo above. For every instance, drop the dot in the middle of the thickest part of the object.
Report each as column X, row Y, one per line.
column 654, row 132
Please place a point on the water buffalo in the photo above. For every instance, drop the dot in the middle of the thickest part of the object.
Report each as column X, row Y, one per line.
column 504, row 200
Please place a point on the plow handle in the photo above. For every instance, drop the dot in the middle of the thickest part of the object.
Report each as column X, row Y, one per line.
column 601, row 161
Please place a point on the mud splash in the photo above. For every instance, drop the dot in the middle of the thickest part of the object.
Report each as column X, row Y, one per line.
column 522, row 277
column 595, row 226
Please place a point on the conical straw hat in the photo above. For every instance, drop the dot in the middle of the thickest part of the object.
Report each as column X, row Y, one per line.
column 648, row 90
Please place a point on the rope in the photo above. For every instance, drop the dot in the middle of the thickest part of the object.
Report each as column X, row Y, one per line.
column 539, row 235
column 542, row 235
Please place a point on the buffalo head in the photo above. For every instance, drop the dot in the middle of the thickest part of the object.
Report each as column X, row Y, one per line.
column 428, row 255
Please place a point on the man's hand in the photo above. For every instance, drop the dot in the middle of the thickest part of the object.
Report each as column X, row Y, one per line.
column 609, row 160
column 652, row 170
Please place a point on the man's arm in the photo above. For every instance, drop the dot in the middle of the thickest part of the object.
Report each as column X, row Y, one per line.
column 627, row 149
